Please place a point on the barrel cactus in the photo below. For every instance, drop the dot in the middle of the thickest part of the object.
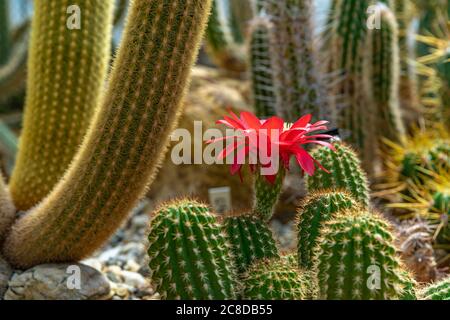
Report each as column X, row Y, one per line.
column 355, row 259
column 189, row 256
column 313, row 213
column 275, row 279
column 346, row 172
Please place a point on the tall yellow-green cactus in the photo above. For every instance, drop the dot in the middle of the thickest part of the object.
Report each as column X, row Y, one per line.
column 68, row 61
column 126, row 141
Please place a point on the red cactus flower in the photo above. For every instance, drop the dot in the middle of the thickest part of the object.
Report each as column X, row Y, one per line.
column 255, row 136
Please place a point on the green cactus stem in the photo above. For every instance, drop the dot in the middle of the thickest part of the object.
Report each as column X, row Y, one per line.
column 250, row 239
column 382, row 76
column 66, row 72
column 267, row 195
column 126, row 141
column 189, row 254
column 345, row 172
column 355, row 259
column 345, row 39
column 437, row 291
column 275, row 279
column 315, row 210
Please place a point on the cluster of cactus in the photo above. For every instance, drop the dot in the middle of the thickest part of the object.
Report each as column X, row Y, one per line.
column 419, row 170
column 345, row 251
column 434, row 57
column 364, row 45
column 346, row 244
column 128, row 130
column 426, row 151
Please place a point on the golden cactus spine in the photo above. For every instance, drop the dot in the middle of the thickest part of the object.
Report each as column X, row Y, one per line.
column 66, row 70
column 126, row 140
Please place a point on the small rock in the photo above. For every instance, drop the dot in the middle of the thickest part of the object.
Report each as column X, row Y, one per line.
column 56, row 282
column 5, row 274
column 134, row 279
column 108, row 255
column 140, row 221
column 94, row 263
column 132, row 266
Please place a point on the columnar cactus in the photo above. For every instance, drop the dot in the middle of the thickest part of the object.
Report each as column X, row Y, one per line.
column 261, row 71
column 405, row 13
column 299, row 87
column 127, row 139
column 437, row 291
column 345, row 172
column 7, row 210
column 381, row 76
column 355, row 259
column 267, row 194
column 189, row 254
column 345, row 43
column 348, row 31
column 250, row 239
column 221, row 48
column 313, row 213
column 66, row 72
column 275, row 279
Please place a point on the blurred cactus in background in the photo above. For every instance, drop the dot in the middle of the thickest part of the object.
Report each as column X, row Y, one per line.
column 225, row 36
column 298, row 84
column 382, row 78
